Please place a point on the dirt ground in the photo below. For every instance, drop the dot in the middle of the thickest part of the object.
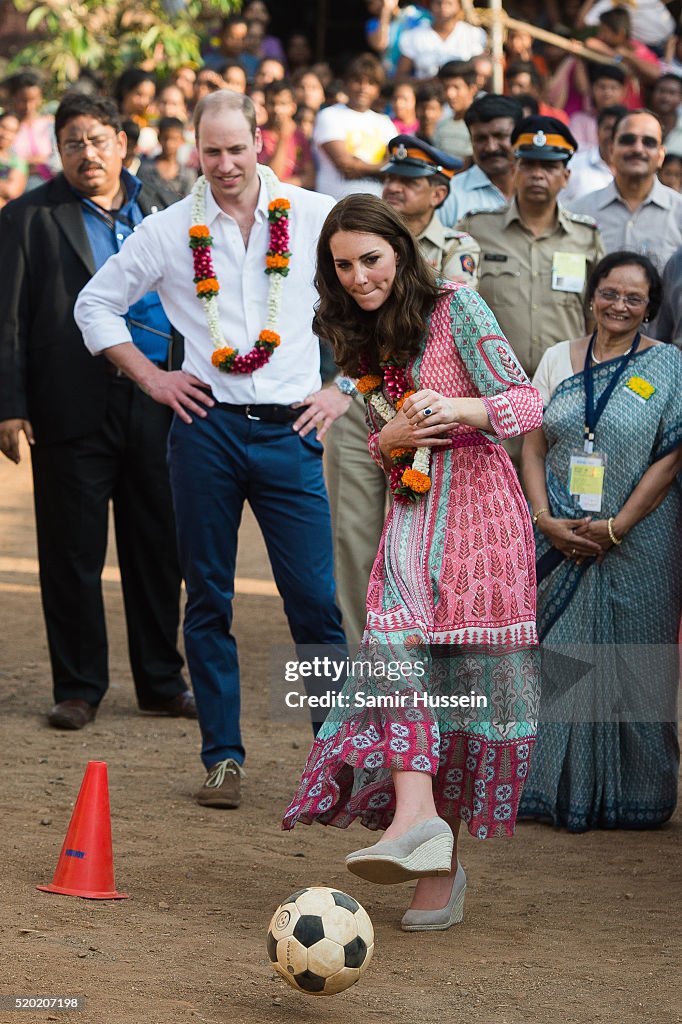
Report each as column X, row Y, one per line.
column 558, row 928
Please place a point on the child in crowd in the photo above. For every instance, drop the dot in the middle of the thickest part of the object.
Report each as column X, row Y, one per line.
column 285, row 148
column 305, row 119
column 523, row 79
column 165, row 171
column 135, row 93
column 34, row 141
column 670, row 171
column 132, row 159
column 13, row 170
column 234, row 76
column 269, row 70
column 208, row 81
column 404, row 107
column 171, row 102
column 429, row 110
column 257, row 96
column 308, row 90
column 459, row 82
column 185, row 78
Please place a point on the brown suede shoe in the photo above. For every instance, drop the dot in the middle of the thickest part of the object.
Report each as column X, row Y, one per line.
column 71, row 714
column 182, row 705
column 223, row 785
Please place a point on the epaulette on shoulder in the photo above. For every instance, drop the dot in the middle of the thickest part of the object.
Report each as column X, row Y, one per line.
column 491, row 213
column 581, row 218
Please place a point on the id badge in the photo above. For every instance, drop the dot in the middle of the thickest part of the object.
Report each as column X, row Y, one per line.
column 568, row 271
column 586, row 479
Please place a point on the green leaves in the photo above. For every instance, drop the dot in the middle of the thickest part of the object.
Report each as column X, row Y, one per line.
column 109, row 35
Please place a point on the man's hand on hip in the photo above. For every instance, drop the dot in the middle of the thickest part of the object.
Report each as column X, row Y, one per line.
column 183, row 392
column 9, row 437
column 320, row 411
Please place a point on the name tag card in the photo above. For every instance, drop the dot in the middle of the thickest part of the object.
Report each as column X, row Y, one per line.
column 568, row 271
column 586, row 479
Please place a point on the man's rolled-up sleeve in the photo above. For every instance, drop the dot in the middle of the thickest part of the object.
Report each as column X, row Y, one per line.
column 101, row 306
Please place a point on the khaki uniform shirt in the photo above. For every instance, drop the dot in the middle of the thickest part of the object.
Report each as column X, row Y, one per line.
column 453, row 254
column 526, row 282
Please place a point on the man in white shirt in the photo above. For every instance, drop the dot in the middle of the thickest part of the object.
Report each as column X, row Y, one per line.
column 232, row 438
column 425, row 49
column 351, row 138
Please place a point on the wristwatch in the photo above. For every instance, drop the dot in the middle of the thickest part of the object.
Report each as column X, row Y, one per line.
column 345, row 385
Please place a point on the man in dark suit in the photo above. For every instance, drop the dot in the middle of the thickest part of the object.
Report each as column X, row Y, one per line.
column 94, row 435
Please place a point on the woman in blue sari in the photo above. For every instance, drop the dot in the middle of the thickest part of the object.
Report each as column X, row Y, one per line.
column 603, row 480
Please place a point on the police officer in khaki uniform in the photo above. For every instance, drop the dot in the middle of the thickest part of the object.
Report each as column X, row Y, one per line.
column 416, row 184
column 417, row 181
column 535, row 255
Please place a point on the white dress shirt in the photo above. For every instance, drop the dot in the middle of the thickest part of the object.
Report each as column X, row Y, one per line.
column 589, row 173
column 654, row 229
column 158, row 257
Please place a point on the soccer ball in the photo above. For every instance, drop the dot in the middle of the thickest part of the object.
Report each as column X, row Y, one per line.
column 320, row 940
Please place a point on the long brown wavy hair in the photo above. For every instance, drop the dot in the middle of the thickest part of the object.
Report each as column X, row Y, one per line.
column 393, row 332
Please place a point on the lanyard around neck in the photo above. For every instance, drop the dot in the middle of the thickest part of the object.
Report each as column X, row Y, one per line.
column 592, row 412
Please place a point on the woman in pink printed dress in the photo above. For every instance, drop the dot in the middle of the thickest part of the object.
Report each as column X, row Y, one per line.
column 451, row 599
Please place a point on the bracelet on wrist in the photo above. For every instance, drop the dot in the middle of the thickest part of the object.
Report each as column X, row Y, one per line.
column 536, row 515
column 612, row 535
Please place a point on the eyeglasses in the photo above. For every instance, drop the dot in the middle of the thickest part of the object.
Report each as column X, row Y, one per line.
column 102, row 144
column 631, row 301
column 629, row 139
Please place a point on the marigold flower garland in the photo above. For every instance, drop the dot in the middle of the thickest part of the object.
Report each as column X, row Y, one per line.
column 277, row 260
column 409, row 476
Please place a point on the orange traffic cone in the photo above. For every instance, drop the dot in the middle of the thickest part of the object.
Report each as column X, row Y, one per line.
column 86, row 863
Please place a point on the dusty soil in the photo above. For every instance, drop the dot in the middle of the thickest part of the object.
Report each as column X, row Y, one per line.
column 558, row 927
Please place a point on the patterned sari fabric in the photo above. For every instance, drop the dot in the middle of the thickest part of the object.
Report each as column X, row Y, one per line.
column 453, row 590
column 607, row 754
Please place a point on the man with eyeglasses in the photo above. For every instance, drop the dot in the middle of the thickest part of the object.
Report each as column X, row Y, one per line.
column 93, row 434
column 635, row 211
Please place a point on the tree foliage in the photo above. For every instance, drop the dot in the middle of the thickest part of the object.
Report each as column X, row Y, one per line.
column 109, row 35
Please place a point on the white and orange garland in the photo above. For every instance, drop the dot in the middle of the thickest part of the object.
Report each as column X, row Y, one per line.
column 409, row 476
column 277, row 260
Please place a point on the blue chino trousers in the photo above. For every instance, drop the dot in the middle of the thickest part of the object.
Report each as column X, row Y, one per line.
column 216, row 464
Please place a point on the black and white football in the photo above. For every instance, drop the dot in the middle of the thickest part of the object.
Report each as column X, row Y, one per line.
column 320, row 940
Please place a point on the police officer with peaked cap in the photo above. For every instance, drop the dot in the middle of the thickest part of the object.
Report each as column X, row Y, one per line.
column 536, row 256
column 416, row 183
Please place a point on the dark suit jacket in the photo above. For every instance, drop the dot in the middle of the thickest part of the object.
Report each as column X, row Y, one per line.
column 46, row 373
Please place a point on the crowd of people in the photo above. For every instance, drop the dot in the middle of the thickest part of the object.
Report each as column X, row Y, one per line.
column 469, row 267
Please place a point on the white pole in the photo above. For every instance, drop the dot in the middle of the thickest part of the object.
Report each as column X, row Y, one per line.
column 496, row 36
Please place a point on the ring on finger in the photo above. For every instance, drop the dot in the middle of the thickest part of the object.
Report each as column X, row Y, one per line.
column 428, row 412
column 573, row 552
